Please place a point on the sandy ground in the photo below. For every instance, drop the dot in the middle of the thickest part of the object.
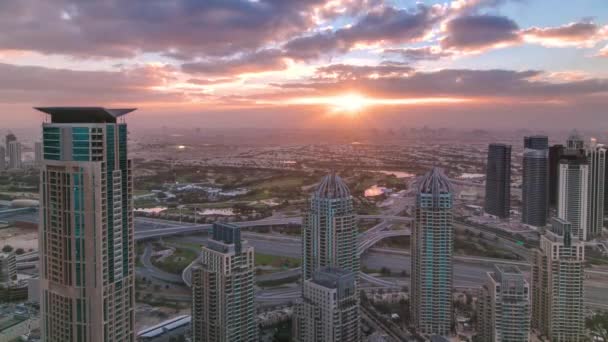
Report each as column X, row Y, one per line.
column 19, row 238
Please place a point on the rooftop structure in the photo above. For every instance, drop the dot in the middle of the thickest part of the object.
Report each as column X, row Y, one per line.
column 84, row 114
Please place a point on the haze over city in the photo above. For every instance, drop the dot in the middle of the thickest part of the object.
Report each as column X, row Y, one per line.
column 310, row 63
column 303, row 171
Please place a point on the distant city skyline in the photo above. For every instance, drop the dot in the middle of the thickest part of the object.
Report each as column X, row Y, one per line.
column 310, row 63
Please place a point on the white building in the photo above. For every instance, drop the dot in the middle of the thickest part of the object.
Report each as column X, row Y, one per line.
column 573, row 193
column 596, row 155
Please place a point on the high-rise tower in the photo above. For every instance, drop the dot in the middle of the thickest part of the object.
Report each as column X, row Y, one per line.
column 329, row 231
column 596, row 155
column 329, row 311
column 86, row 243
column 535, row 187
column 503, row 313
column 557, row 285
column 223, row 308
column 555, row 154
column 573, row 200
column 432, row 246
column 498, row 180
column 14, row 155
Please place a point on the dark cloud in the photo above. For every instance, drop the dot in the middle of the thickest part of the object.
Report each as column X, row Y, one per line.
column 179, row 28
column 420, row 54
column 39, row 85
column 477, row 32
column 203, row 82
column 259, row 61
column 573, row 31
column 516, row 85
column 387, row 24
column 581, row 34
column 352, row 72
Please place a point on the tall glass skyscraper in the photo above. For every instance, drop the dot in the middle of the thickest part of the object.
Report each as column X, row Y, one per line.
column 329, row 231
column 596, row 155
column 535, row 187
column 432, row 247
column 555, row 154
column 86, row 242
column 498, row 180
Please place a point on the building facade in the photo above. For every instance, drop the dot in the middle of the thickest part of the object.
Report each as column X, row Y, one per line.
column 504, row 306
column 573, row 200
column 2, row 158
column 557, row 285
column 223, row 308
column 38, row 153
column 329, row 230
column 86, row 242
column 329, row 311
column 555, row 154
column 596, row 155
column 535, row 187
column 8, row 268
column 498, row 181
column 432, row 247
column 14, row 155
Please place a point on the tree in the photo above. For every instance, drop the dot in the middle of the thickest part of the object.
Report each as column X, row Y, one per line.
column 7, row 248
column 598, row 325
column 19, row 251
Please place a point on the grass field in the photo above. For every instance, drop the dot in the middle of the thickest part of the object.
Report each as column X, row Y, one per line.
column 276, row 261
column 176, row 263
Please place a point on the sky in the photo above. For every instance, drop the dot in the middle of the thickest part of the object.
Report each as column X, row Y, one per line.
column 538, row 64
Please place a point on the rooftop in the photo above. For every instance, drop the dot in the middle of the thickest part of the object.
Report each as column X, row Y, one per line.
column 435, row 182
column 332, row 186
column 84, row 114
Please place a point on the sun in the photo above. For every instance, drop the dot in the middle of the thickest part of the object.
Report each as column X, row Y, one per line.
column 349, row 103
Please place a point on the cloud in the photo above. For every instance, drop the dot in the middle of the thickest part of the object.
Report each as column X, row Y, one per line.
column 430, row 53
column 479, row 32
column 179, row 28
column 383, row 25
column 514, row 85
column 204, row 82
column 603, row 52
column 259, row 61
column 353, row 72
column 35, row 85
column 580, row 34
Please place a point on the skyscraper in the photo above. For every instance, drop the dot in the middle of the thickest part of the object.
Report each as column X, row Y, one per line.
column 222, row 289
column 2, row 158
column 86, row 243
column 557, row 285
column 329, row 230
column 498, row 180
column 504, row 306
column 38, row 153
column 9, row 138
column 432, row 246
column 8, row 268
column 329, row 311
column 575, row 142
column 555, row 154
column 573, row 200
column 596, row 155
column 14, row 155
column 535, row 187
